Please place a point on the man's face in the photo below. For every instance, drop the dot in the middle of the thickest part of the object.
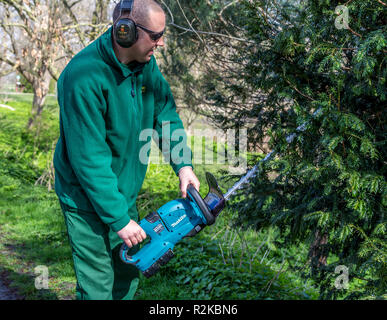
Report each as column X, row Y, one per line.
column 143, row 49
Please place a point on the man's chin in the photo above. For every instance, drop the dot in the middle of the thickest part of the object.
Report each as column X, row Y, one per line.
column 145, row 59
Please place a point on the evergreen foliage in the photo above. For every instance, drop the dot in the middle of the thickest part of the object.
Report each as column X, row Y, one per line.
column 328, row 187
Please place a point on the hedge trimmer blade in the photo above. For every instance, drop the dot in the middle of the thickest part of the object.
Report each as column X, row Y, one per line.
column 252, row 172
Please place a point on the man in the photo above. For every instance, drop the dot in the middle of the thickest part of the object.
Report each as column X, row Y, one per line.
column 107, row 95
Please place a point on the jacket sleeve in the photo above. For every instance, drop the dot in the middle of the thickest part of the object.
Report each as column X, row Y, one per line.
column 90, row 156
column 171, row 134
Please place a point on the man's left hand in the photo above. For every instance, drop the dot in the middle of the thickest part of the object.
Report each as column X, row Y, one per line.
column 187, row 176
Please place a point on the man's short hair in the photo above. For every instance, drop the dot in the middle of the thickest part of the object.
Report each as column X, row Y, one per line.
column 140, row 11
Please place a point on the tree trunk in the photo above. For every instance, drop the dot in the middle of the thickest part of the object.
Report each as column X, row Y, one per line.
column 318, row 250
column 40, row 89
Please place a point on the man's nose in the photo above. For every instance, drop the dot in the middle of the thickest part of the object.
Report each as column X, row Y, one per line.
column 160, row 42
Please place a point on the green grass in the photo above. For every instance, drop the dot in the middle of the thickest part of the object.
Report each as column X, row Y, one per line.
column 222, row 262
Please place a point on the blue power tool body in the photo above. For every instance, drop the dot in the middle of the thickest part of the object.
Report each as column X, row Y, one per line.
column 172, row 222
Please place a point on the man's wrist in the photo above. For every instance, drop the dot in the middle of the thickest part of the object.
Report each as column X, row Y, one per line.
column 185, row 167
column 121, row 223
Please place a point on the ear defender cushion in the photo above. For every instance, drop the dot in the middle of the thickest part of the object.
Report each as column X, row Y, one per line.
column 125, row 32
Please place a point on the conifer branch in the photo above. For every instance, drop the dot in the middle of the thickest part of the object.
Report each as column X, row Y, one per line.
column 197, row 32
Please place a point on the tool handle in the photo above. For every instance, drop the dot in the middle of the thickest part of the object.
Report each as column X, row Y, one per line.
column 124, row 255
column 196, row 198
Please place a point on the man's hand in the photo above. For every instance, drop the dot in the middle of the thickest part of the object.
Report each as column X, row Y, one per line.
column 132, row 234
column 187, row 176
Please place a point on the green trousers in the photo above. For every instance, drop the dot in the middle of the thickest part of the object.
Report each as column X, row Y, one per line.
column 100, row 273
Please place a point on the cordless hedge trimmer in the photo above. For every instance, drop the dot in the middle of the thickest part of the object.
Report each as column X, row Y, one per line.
column 182, row 218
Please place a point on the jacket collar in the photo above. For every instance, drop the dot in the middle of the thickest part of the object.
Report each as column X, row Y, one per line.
column 105, row 48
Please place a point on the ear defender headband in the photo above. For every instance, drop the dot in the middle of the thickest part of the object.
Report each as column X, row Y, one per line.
column 125, row 30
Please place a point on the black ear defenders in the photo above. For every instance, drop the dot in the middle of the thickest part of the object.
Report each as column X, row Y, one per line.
column 125, row 30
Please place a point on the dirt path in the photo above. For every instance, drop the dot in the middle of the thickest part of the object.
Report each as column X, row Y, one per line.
column 5, row 292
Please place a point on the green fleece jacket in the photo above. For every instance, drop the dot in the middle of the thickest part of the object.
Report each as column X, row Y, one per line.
column 104, row 107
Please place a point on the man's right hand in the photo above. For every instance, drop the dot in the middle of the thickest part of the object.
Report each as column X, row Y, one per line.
column 132, row 234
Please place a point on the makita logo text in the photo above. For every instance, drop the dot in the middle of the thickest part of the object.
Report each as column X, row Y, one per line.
column 178, row 221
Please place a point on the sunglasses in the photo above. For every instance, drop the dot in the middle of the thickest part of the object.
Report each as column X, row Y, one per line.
column 155, row 36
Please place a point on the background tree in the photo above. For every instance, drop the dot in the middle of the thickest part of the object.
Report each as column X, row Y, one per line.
column 33, row 30
column 202, row 38
column 43, row 36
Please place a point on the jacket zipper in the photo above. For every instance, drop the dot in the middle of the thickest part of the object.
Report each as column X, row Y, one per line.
column 133, row 91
